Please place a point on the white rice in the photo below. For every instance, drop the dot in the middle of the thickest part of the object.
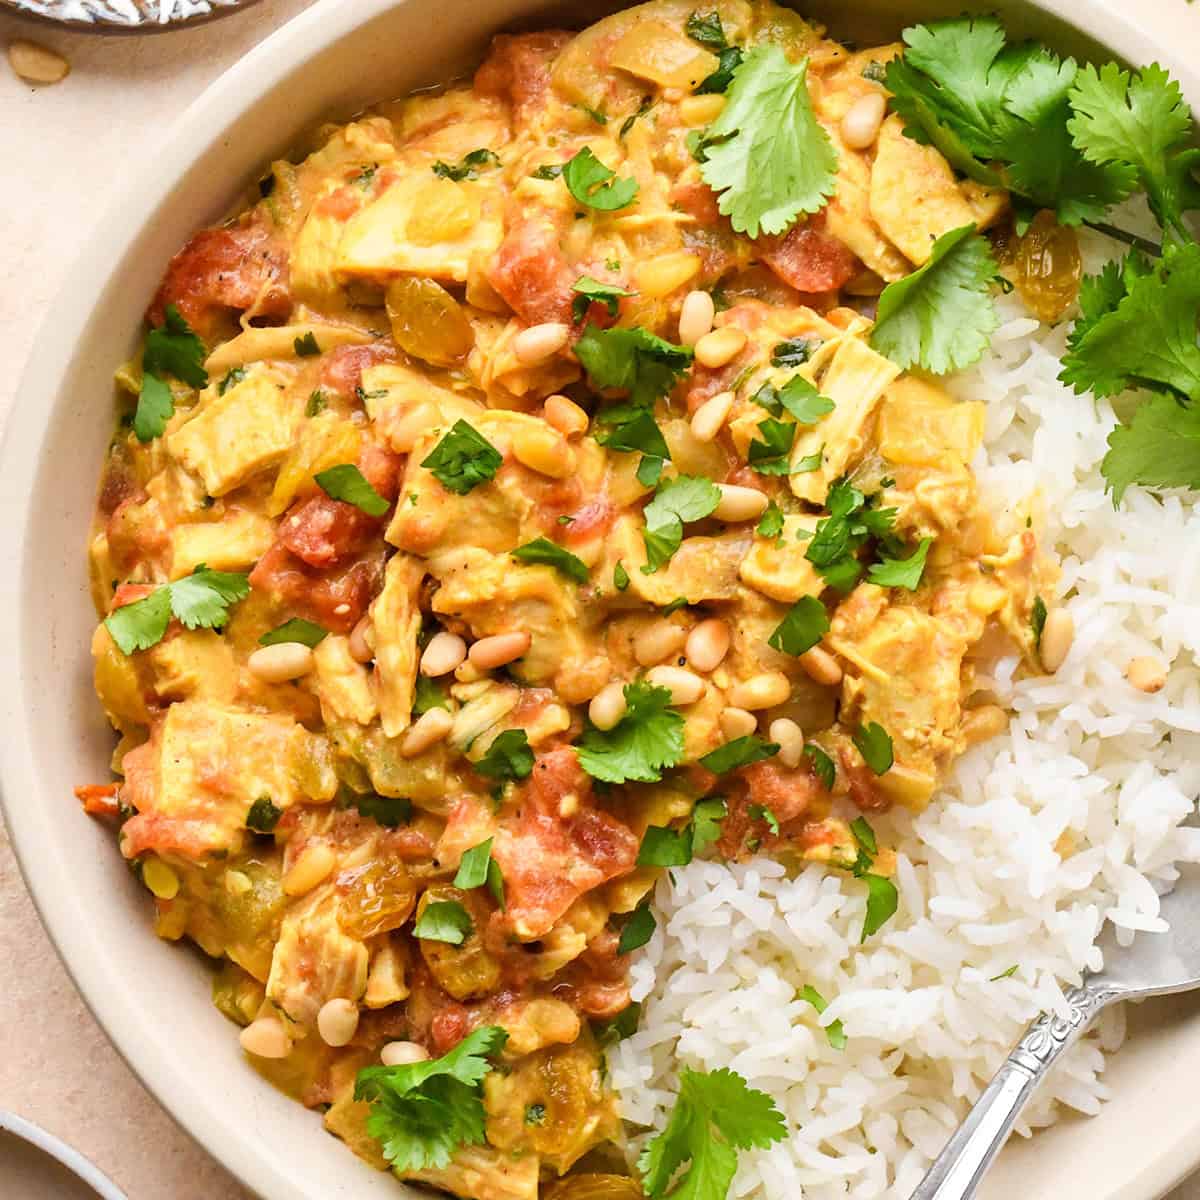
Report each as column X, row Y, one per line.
column 981, row 886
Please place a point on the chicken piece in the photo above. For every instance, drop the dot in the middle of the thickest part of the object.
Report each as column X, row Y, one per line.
column 194, row 664
column 424, row 225
column 920, row 425
column 663, row 54
column 234, row 543
column 229, row 438
column 119, row 683
column 391, row 391
column 278, row 343
column 397, row 621
column 314, row 260
column 485, row 1173
column 314, row 961
column 854, row 380
column 194, row 781
column 343, row 685
column 915, row 197
column 777, row 566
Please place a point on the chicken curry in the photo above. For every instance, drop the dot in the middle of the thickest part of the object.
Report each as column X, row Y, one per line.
column 500, row 516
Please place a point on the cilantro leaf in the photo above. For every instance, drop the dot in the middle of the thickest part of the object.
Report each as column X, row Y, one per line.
column 882, row 902
column 262, row 816
column 798, row 396
column 633, row 360
column 766, row 155
column 685, row 498
column 707, row 816
column 648, row 738
column 770, row 524
column 794, row 352
column 307, row 633
column 864, row 835
column 760, row 812
column 347, row 483
column 1149, row 337
column 805, row 624
column 591, row 291
column 1140, row 123
column 941, row 316
column 822, row 765
column 389, row 811
column 706, row 28
column 716, row 1114
column 618, row 1028
column 428, row 695
column 509, row 757
column 542, row 550
column 875, row 746
column 620, row 576
column 473, row 866
column 232, row 378
column 901, row 572
column 1160, row 447
column 740, row 752
column 463, row 459
column 155, row 407
column 469, row 167
column 1004, row 974
column 728, row 61
column 638, row 930
column 630, row 428
column 769, row 452
column 1037, row 621
column 594, row 185
column 663, row 846
column 174, row 349
column 444, row 921
column 834, row 1032
column 306, row 345
column 421, row 1113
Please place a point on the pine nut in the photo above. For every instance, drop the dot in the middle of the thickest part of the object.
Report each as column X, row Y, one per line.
column 701, row 110
column 739, row 503
column 790, row 739
column 761, row 691
column 658, row 641
column 404, row 433
column 708, row 419
column 860, row 125
column 720, row 347
column 337, row 1022
column 468, row 672
column 737, row 722
column 685, row 686
column 607, row 706
column 1146, row 674
column 1057, row 635
column 565, row 415
column 281, row 662
column 311, row 867
column 400, row 1054
column 696, row 317
column 821, row 666
column 360, row 643
column 491, row 652
column 266, row 1038
column 160, row 879
column 443, row 653
column 428, row 729
column 540, row 342
column 35, row 63
column 708, row 644
column 545, row 451
column 986, row 721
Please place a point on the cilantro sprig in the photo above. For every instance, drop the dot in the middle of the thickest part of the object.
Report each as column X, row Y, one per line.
column 200, row 600
column 171, row 349
column 463, row 459
column 421, row 1113
column 646, row 740
column 682, row 500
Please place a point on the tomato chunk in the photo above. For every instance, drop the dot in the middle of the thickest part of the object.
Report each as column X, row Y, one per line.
column 341, row 369
column 531, row 273
column 334, row 598
column 225, row 269
column 810, row 259
column 557, row 845
column 517, row 69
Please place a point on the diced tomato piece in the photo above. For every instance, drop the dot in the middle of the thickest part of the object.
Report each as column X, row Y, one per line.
column 698, row 200
column 558, row 845
column 340, row 205
column 517, row 69
column 323, row 532
column 448, row 1027
column 335, row 599
column 341, row 369
column 787, row 793
column 225, row 269
column 129, row 593
column 596, row 983
column 864, row 785
column 98, row 799
column 809, row 259
column 531, row 273
column 383, row 468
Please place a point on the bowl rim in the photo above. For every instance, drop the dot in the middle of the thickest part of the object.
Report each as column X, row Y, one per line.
column 58, row 1150
column 148, row 185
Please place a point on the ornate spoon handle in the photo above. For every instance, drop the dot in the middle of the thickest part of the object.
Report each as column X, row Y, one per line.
column 960, row 1167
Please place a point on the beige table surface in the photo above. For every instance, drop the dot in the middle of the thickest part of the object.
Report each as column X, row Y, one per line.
column 61, row 151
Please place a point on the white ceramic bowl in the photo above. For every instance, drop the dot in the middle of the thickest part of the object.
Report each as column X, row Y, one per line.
column 153, row 999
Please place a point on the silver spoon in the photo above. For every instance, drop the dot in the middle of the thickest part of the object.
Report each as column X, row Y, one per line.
column 1153, row 965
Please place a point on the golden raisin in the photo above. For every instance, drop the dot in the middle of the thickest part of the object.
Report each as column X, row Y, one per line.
column 375, row 899
column 1044, row 266
column 427, row 322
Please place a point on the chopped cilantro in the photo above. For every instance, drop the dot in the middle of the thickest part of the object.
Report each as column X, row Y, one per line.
column 759, row 812
column 543, row 550
column 535, row 1114
column 296, row 630
column 232, row 379
column 306, row 345
column 674, row 606
column 794, row 352
column 798, row 396
column 834, row 1032
column 632, row 360
column 770, row 524
column 388, row 811
column 769, row 452
column 200, row 600
column 473, row 866
column 805, row 624
column 647, row 739
column 901, row 572
column 663, row 846
column 347, row 483
column 685, row 498
column 620, row 576
column 593, row 184
column 470, row 166
column 706, row 28
column 428, row 695
column 618, row 1028
column 591, row 291
column 875, row 746
column 638, row 930
column 171, row 349
column 548, row 171
column 740, row 752
column 822, row 765
column 316, row 403
column 263, row 816
column 444, row 921
column 1037, row 621
column 508, row 757
column 864, row 835
column 707, row 816
column 463, row 459
column 882, row 902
